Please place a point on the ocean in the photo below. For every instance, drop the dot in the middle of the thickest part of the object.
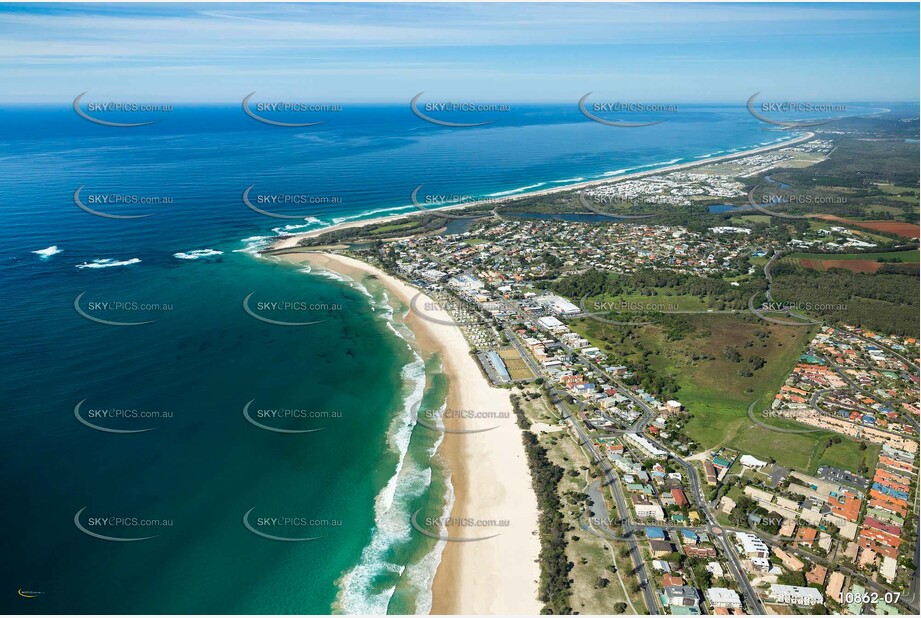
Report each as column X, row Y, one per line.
column 255, row 466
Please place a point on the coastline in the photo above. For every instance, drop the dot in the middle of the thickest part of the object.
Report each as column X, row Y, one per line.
column 289, row 242
column 488, row 470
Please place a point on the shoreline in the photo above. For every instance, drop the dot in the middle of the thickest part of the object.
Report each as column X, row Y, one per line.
column 291, row 241
column 488, row 470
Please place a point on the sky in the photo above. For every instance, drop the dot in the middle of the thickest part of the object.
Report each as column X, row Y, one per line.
column 502, row 53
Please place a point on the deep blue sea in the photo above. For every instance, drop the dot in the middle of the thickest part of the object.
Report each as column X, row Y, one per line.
column 188, row 374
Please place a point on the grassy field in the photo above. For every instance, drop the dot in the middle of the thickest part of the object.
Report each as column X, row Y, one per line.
column 637, row 302
column 402, row 227
column 710, row 388
column 713, row 391
column 842, row 456
column 896, row 192
column 753, row 218
column 517, row 368
column 804, row 452
column 591, row 556
column 910, row 256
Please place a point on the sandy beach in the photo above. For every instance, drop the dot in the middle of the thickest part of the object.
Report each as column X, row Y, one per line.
column 287, row 242
column 489, row 471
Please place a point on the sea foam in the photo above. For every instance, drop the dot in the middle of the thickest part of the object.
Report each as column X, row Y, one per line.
column 108, row 263
column 391, row 509
column 197, row 254
column 47, row 252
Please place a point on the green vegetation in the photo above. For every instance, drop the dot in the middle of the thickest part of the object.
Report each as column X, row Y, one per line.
column 747, row 513
column 655, row 288
column 842, row 455
column 911, row 256
column 553, row 589
column 866, row 173
column 407, row 226
column 805, row 451
column 885, row 301
column 716, row 369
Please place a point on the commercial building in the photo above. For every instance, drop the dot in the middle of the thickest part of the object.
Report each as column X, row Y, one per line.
column 660, row 549
column 710, row 471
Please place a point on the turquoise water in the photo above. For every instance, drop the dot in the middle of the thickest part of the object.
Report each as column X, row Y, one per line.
column 355, row 478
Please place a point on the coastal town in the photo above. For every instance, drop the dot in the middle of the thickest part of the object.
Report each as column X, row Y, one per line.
column 457, row 308
column 700, row 527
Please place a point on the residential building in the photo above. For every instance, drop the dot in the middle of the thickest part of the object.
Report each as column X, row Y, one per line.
column 723, row 597
column 752, row 545
column 796, row 595
column 681, row 595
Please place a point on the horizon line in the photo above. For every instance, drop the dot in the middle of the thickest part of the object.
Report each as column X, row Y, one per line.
column 140, row 100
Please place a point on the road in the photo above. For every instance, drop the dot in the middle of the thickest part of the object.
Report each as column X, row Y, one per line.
column 887, row 348
column 832, row 565
column 753, row 601
column 768, row 295
column 610, row 479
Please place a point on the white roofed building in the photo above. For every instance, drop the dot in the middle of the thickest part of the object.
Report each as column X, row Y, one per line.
column 723, row 597
column 752, row 546
column 796, row 595
column 751, row 462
